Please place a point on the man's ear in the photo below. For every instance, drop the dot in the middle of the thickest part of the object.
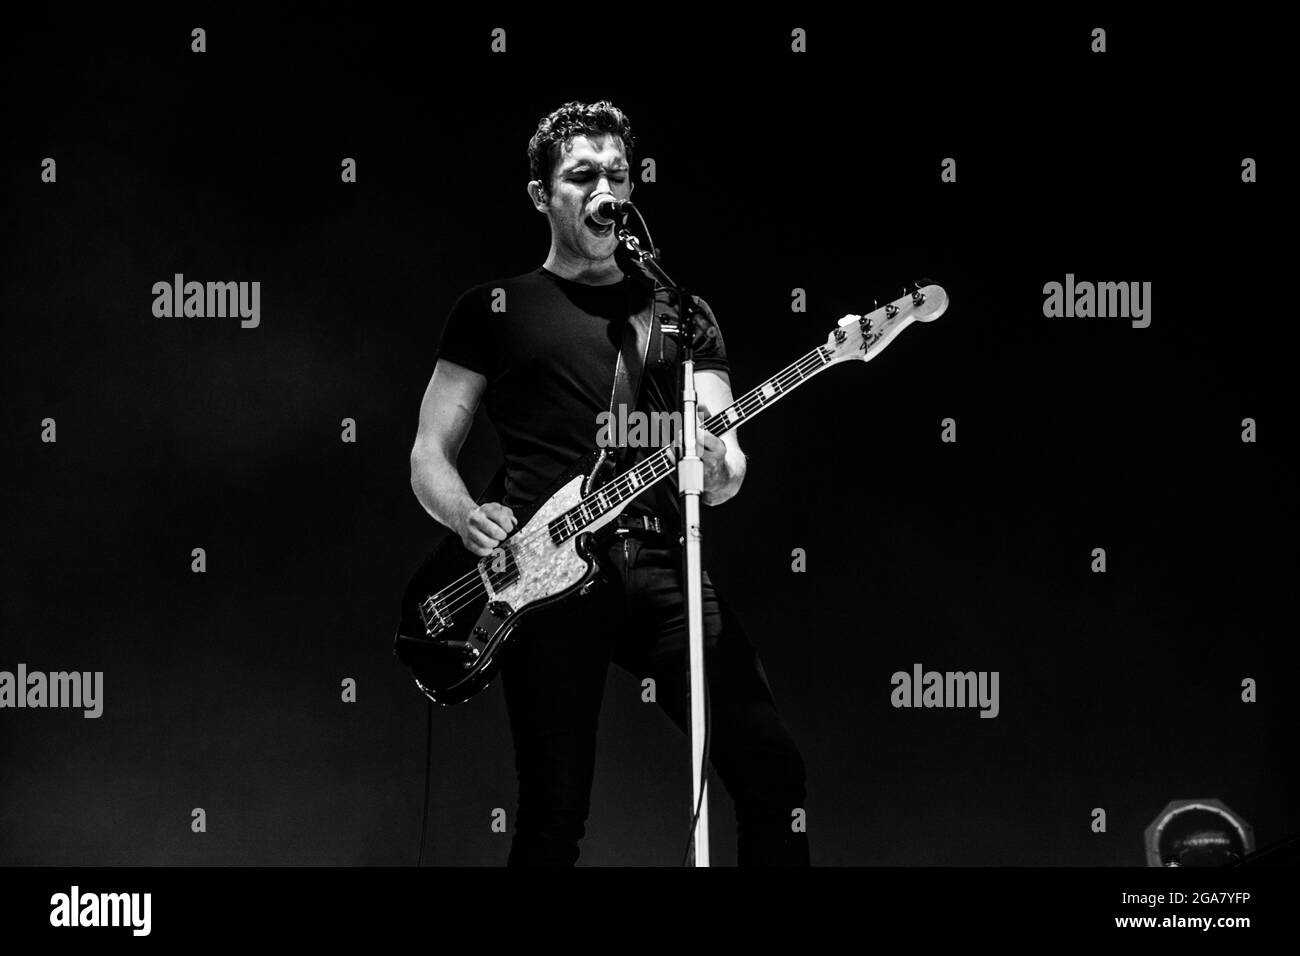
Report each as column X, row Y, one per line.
column 538, row 195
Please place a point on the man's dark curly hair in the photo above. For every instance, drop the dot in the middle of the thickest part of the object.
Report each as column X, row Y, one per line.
column 574, row 119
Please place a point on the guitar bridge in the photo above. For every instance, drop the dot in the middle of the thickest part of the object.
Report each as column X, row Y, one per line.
column 435, row 615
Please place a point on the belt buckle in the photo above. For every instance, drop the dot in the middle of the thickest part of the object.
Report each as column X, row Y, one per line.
column 636, row 523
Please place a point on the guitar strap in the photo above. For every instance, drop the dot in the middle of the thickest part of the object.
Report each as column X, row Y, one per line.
column 641, row 333
column 629, row 368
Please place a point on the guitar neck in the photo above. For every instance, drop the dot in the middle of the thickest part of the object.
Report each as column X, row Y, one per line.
column 655, row 468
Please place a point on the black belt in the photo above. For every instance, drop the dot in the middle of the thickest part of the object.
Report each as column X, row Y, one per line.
column 644, row 524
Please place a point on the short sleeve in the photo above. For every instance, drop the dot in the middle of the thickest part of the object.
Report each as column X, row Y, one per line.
column 710, row 350
column 464, row 337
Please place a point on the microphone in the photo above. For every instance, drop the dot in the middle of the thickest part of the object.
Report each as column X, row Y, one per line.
column 607, row 210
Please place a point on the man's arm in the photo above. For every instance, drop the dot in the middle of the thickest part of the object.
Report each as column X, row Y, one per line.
column 724, row 462
column 446, row 414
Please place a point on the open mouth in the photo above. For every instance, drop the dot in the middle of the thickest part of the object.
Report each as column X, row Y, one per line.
column 602, row 231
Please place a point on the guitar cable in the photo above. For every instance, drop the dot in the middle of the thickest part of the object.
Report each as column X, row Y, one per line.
column 687, row 857
column 428, row 768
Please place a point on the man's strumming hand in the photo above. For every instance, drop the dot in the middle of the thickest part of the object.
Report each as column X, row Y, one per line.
column 485, row 526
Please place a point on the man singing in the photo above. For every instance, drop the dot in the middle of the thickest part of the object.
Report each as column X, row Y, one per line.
column 544, row 365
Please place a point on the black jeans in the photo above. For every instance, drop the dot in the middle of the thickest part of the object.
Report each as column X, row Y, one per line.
column 554, row 678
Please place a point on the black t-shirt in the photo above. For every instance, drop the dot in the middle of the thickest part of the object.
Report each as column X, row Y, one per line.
column 548, row 352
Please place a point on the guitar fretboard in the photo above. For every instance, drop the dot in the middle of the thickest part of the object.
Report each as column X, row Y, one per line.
column 660, row 465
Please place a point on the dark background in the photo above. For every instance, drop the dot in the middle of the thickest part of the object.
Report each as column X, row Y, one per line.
column 222, row 690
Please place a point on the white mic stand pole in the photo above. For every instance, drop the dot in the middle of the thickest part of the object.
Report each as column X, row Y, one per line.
column 690, row 485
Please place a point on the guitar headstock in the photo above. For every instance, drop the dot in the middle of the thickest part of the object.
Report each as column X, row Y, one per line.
column 865, row 336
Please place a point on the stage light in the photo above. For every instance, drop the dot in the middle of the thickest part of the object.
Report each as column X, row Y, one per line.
column 1198, row 833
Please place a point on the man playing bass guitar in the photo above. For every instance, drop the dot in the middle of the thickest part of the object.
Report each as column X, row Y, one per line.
column 543, row 365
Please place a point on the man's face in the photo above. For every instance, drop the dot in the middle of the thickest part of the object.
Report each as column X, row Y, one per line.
column 588, row 169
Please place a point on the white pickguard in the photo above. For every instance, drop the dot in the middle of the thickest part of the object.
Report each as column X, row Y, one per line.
column 545, row 568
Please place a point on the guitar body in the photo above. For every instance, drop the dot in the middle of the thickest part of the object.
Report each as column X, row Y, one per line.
column 460, row 612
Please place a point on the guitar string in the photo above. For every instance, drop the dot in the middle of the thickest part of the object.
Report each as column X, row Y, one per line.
column 650, row 466
column 818, row 358
column 465, row 590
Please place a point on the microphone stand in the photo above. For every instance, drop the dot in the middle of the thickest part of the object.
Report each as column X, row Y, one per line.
column 690, row 486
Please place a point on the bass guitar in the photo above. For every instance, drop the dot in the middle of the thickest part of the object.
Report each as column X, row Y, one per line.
column 460, row 611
